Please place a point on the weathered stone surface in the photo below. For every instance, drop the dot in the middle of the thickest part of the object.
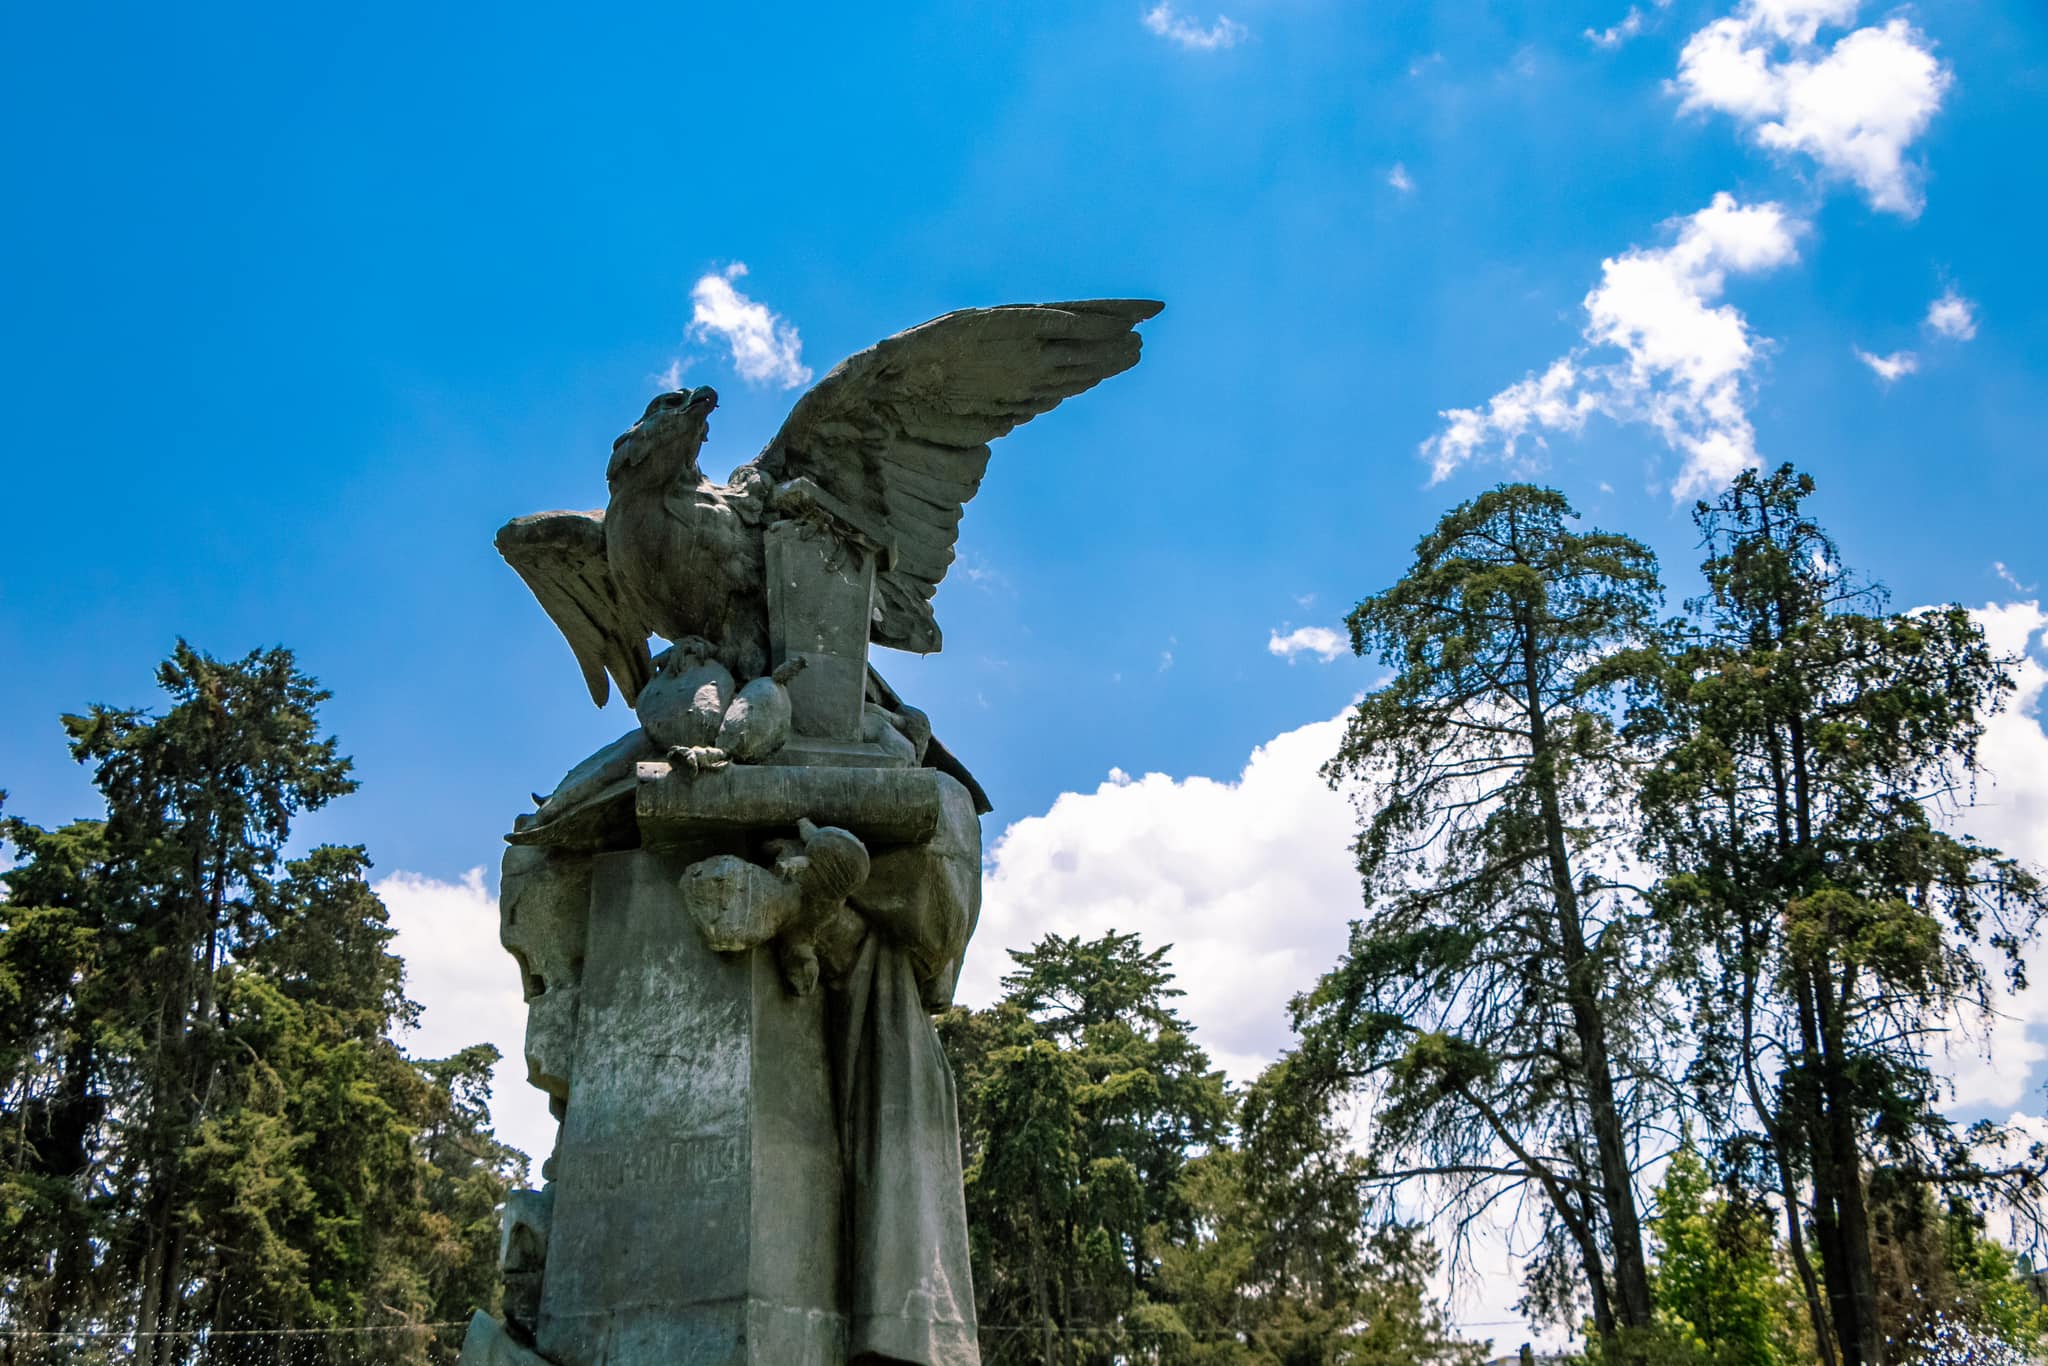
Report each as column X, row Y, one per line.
column 881, row 806
column 523, row 1252
column 601, row 819
column 759, row 721
column 551, row 1038
column 820, row 597
column 927, row 896
column 736, row 904
column 803, row 751
column 487, row 1343
column 543, row 917
column 881, row 456
column 600, row 770
column 697, row 1202
column 686, row 700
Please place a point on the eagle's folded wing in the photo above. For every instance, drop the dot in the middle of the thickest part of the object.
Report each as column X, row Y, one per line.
column 561, row 557
column 900, row 432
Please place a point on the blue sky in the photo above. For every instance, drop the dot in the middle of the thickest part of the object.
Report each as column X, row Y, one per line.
column 296, row 308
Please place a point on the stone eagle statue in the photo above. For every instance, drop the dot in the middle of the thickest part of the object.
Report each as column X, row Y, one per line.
column 888, row 447
column 778, row 794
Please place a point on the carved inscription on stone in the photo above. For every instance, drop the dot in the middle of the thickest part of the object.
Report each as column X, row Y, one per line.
column 679, row 1164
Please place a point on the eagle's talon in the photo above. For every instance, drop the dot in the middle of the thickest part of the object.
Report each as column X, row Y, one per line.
column 698, row 758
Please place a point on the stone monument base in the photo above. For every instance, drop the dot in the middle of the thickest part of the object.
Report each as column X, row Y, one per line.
column 696, row 1218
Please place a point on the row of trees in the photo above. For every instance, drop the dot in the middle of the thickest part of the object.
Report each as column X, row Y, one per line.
column 1648, row 901
column 206, row 1127
column 1630, row 878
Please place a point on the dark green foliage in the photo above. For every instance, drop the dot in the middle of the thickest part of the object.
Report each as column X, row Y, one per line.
column 207, row 1123
column 1083, row 1098
column 1497, row 1003
column 1806, row 742
column 1112, row 1216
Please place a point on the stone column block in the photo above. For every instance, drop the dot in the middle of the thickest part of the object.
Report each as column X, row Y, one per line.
column 821, row 593
column 696, row 1212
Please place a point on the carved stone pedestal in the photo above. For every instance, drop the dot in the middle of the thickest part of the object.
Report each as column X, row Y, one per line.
column 696, row 1211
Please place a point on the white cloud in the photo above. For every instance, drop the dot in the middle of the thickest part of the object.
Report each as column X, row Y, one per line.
column 469, row 990
column 1400, row 179
column 1888, row 368
column 764, row 345
column 1952, row 316
column 1631, row 24
column 1996, row 1069
column 1684, row 363
column 1551, row 401
column 1250, row 880
column 1320, row 641
column 671, row 378
column 1177, row 28
column 1853, row 108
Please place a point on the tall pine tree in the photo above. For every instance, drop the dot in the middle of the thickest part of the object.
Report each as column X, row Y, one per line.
column 1497, row 997
column 1808, row 741
column 205, row 1121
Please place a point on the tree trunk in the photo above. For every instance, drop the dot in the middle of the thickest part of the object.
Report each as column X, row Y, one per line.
column 1596, row 1286
column 72, row 1120
column 1617, row 1179
column 1851, row 1210
column 1795, row 1241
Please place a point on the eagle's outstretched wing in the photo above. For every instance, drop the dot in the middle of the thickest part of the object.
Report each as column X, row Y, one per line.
column 899, row 433
column 561, row 557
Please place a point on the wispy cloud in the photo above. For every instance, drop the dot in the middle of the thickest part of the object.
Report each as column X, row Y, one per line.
column 1888, row 368
column 1952, row 316
column 1179, row 29
column 977, row 570
column 1400, row 179
column 1320, row 641
column 1659, row 349
column 1615, row 35
column 1853, row 107
column 764, row 345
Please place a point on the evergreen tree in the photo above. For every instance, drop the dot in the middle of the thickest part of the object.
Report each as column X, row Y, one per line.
column 200, row 802
column 1083, row 1099
column 1498, row 999
column 65, row 980
column 1807, row 740
column 205, row 1122
column 1112, row 1217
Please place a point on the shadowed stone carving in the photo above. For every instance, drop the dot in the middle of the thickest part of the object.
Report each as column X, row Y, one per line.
column 733, row 922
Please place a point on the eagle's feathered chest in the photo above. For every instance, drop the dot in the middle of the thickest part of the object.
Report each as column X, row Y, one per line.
column 687, row 557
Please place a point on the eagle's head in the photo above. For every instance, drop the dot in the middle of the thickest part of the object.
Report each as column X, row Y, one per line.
column 670, row 433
